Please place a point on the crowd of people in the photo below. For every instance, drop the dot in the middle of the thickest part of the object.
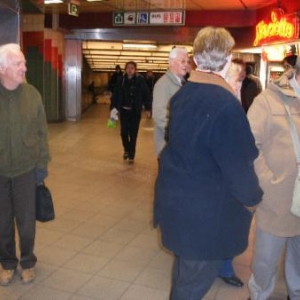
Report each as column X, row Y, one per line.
column 225, row 154
column 207, row 174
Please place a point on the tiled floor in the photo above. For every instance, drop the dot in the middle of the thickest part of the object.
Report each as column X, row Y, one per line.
column 102, row 244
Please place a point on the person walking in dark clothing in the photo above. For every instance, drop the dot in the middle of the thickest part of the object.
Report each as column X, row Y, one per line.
column 118, row 73
column 114, row 78
column 251, row 87
column 130, row 95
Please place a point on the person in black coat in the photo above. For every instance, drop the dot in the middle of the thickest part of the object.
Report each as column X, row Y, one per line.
column 251, row 87
column 131, row 94
column 206, row 190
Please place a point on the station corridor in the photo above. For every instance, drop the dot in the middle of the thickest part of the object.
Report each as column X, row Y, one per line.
column 101, row 244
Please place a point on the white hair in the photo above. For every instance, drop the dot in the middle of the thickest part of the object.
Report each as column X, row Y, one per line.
column 6, row 50
column 175, row 51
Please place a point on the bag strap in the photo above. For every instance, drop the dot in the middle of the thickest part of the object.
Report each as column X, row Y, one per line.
column 294, row 134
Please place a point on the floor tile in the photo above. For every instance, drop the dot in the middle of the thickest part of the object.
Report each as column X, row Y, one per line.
column 86, row 263
column 55, row 255
column 45, row 293
column 104, row 288
column 121, row 270
column 136, row 292
column 67, row 280
column 137, row 255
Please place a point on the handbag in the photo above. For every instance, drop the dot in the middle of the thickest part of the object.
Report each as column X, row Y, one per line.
column 295, row 207
column 44, row 208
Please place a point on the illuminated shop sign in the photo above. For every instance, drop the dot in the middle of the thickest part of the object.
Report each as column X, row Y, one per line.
column 279, row 28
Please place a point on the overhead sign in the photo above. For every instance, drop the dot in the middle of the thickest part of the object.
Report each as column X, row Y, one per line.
column 149, row 18
column 73, row 10
column 279, row 28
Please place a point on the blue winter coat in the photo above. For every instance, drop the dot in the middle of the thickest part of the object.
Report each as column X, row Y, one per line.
column 206, row 175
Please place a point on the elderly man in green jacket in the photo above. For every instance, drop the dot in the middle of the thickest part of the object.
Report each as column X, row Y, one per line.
column 23, row 163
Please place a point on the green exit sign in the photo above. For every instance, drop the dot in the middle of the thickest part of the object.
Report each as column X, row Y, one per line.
column 73, row 9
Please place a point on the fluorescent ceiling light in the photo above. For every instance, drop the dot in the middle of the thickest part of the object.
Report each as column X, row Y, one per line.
column 139, row 46
column 53, row 1
column 255, row 50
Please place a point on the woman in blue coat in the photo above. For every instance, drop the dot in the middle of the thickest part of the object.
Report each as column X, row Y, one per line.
column 206, row 188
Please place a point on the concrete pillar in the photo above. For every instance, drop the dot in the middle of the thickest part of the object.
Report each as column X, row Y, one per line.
column 73, row 68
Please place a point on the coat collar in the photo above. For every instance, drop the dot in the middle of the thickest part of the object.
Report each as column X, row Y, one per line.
column 173, row 78
column 209, row 78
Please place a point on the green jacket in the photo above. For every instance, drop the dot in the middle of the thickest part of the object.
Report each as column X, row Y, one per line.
column 23, row 131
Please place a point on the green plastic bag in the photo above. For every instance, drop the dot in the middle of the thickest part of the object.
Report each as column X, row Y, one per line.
column 111, row 123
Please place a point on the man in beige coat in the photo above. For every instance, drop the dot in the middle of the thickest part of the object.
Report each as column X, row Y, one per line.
column 276, row 166
column 164, row 89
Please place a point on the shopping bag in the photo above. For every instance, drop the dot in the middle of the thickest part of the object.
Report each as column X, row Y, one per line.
column 111, row 123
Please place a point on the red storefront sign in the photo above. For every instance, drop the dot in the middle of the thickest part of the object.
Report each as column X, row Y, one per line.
column 279, row 28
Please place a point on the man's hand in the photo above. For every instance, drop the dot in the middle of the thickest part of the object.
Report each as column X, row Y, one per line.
column 40, row 175
column 114, row 114
column 252, row 209
column 148, row 114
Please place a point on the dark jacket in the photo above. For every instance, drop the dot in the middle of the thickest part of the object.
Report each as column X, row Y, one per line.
column 23, row 131
column 206, row 176
column 132, row 92
column 251, row 87
column 114, row 79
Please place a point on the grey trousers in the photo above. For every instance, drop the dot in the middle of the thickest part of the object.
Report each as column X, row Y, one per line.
column 192, row 279
column 17, row 206
column 268, row 250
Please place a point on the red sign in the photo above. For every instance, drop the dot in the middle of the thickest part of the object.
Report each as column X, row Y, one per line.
column 280, row 28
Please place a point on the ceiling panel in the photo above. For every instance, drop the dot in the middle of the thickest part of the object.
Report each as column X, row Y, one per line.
column 104, row 56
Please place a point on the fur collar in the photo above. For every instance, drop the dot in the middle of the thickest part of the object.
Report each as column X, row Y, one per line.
column 209, row 78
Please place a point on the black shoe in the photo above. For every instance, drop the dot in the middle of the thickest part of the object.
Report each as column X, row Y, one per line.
column 233, row 280
column 125, row 155
column 288, row 297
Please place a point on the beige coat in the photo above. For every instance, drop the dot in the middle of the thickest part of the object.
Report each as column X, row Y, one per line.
column 163, row 91
column 276, row 164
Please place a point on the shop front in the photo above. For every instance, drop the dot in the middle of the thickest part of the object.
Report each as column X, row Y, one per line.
column 278, row 37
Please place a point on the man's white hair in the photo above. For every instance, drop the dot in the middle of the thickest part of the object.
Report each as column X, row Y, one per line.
column 6, row 50
column 175, row 51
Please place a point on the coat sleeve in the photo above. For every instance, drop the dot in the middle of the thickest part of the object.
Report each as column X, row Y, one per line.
column 44, row 155
column 234, row 150
column 161, row 98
